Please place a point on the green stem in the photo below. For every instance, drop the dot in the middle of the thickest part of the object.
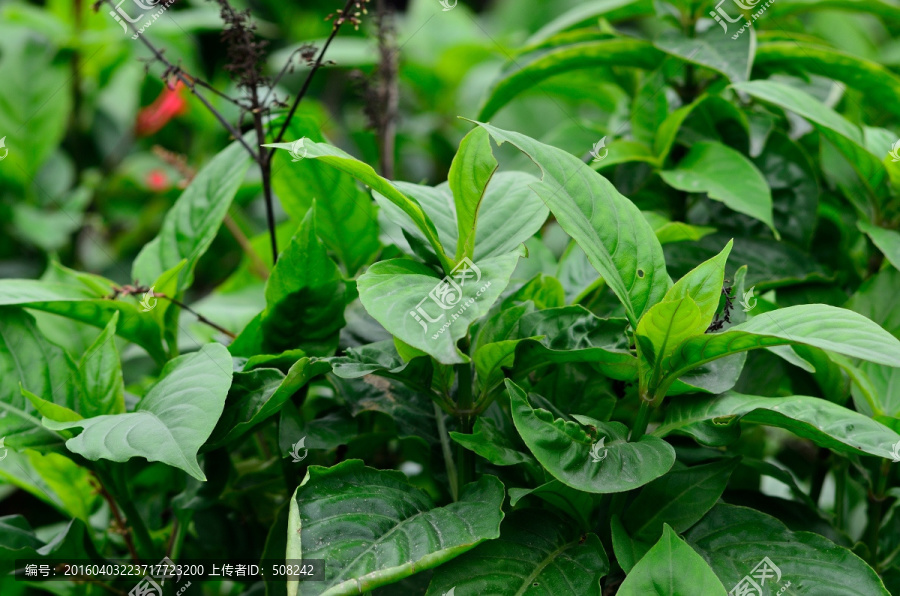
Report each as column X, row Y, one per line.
column 876, row 510
column 840, row 492
column 465, row 458
column 447, row 451
column 640, row 424
column 143, row 542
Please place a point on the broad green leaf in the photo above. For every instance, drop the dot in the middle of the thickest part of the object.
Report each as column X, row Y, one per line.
column 847, row 333
column 172, row 420
column 20, row 542
column 660, row 332
column 256, row 395
column 304, row 301
column 345, row 215
column 876, row 300
column 671, row 568
column 29, row 360
column 470, row 173
column 627, row 550
column 883, row 382
column 492, row 444
column 712, row 168
column 564, row 449
column 192, row 223
column 879, row 86
column 430, row 313
column 703, row 285
column 649, row 108
column 525, row 73
column 70, row 484
column 821, row 421
column 101, row 385
column 675, row 231
column 87, row 305
column 363, row 172
column 678, row 499
column 382, row 528
column 34, row 108
column 847, row 137
column 876, row 7
column 887, row 241
column 617, row 239
column 576, row 504
column 712, row 49
column 537, row 553
column 611, row 10
column 736, row 540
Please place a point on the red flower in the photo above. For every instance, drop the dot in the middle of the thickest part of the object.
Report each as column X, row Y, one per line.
column 157, row 181
column 169, row 104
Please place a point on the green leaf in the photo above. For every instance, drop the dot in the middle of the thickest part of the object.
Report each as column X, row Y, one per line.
column 470, row 172
column 87, row 305
column 418, row 307
column 678, row 499
column 660, row 332
column 363, row 172
column 192, row 223
column 627, row 550
column 887, row 241
column 823, row 422
column 611, row 10
column 564, row 449
column 256, row 395
column 847, row 333
column 575, row 503
column 101, row 385
column 492, row 444
column 618, row 241
column 381, row 528
column 305, row 297
column 712, row 168
column 20, row 542
column 345, row 215
column 170, row 423
column 703, row 285
column 735, row 540
column 712, row 49
column 29, row 360
column 537, row 553
column 879, row 86
column 671, row 568
column 525, row 73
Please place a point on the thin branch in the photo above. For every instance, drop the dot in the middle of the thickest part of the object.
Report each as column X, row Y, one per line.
column 120, row 521
column 200, row 317
column 340, row 20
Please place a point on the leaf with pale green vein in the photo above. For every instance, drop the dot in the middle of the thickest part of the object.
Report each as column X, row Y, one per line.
column 712, row 49
column 304, row 301
column 256, row 395
column 382, row 528
column 564, row 449
column 537, row 552
column 671, row 568
column 703, row 285
column 363, row 172
column 527, row 71
column 660, row 332
column 847, row 333
column 823, row 422
column 712, row 168
column 611, row 10
column 29, row 360
column 735, row 540
column 346, row 216
column 887, row 241
column 86, row 304
column 192, row 223
column 470, row 172
column 416, row 306
column 679, row 499
column 101, row 385
column 626, row 253
column 172, row 420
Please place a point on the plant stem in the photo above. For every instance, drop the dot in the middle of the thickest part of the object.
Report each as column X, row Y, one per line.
column 120, row 521
column 200, row 317
column 143, row 544
column 465, row 459
column 876, row 510
column 447, row 451
column 840, row 492
column 640, row 423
